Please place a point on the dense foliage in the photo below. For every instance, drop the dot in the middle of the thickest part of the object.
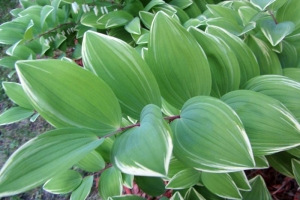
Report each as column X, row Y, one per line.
column 181, row 96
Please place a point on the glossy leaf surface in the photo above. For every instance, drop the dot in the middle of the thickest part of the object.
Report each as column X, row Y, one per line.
column 40, row 154
column 177, row 61
column 67, row 95
column 200, row 133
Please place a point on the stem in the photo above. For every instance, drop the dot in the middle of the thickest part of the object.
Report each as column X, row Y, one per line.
column 272, row 15
column 49, row 31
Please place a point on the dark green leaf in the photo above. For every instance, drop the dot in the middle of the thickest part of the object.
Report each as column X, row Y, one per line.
column 282, row 162
column 150, row 185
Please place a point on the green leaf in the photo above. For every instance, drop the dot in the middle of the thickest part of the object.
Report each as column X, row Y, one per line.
column 89, row 19
column 92, row 162
column 67, row 95
column 114, row 19
column 110, row 183
column 175, row 167
column 63, row 183
column 295, row 151
column 288, row 56
column 177, row 196
column 120, row 66
column 262, row 4
column 296, row 169
column 149, row 146
column 105, row 149
column 265, row 138
column 42, row 159
column 267, row 59
column 206, row 193
column 282, row 162
column 153, row 3
column 231, row 26
column 192, row 194
column 181, row 3
column 16, row 93
column 289, row 12
column 259, row 190
column 240, row 180
column 127, row 197
column 7, row 38
column 146, row 18
column 246, row 60
column 128, row 180
column 14, row 114
column 200, row 132
column 185, row 72
column 134, row 26
column 45, row 12
column 153, row 186
column 221, row 185
column 261, row 162
column 83, row 189
column 281, row 88
column 223, row 63
column 275, row 33
column 184, row 179
column 226, row 13
column 8, row 61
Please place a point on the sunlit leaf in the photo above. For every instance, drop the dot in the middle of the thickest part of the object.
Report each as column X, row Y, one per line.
column 15, row 114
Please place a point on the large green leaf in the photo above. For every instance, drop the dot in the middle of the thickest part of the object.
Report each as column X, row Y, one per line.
column 110, row 183
column 14, row 114
column 45, row 156
column 267, row 59
column 281, row 88
column 67, row 95
column 16, row 93
column 275, row 33
column 221, row 185
column 289, row 12
column 259, row 190
column 120, row 66
column 200, row 133
column 223, row 63
column 83, row 189
column 262, row 4
column 63, row 183
column 247, row 62
column 92, row 162
column 177, row 61
column 149, row 146
column 265, row 138
column 184, row 179
column 153, row 186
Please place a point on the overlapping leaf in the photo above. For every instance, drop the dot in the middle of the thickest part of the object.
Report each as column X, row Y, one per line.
column 67, row 95
column 61, row 148
column 83, row 189
column 200, row 140
column 149, row 146
column 15, row 114
column 281, row 88
column 110, row 183
column 262, row 117
column 223, row 63
column 259, row 190
column 247, row 62
column 120, row 66
column 177, row 61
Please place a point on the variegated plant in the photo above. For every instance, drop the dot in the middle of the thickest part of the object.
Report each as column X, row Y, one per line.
column 180, row 96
